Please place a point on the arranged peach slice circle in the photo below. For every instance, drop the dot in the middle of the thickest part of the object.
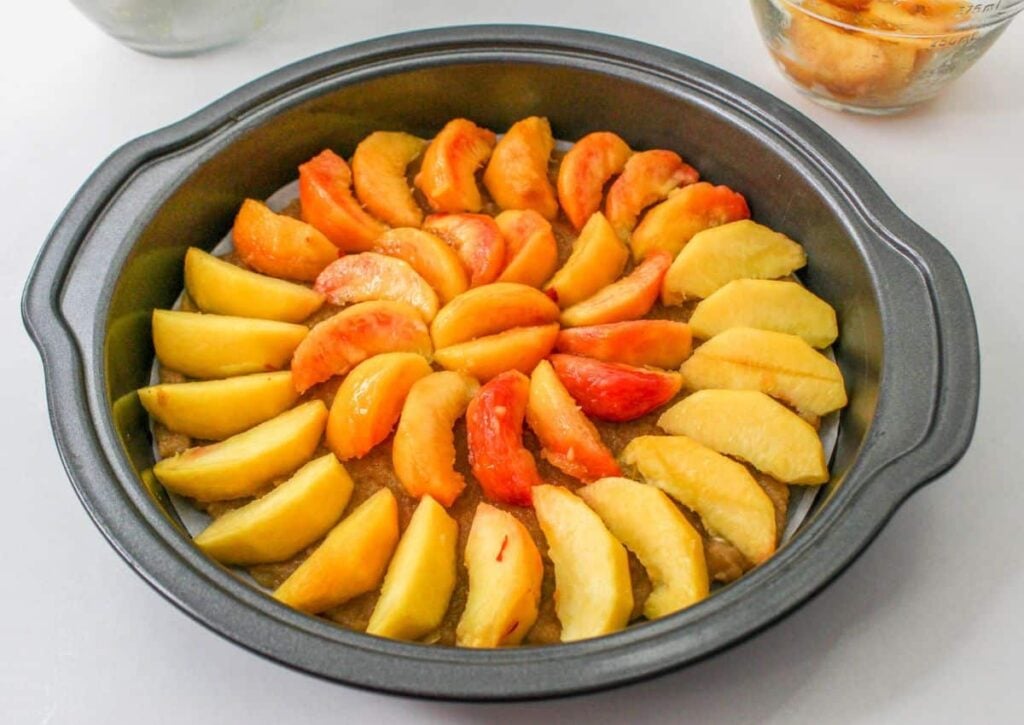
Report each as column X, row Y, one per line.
column 520, row 348
column 646, row 179
column 569, row 441
column 378, row 175
column 225, row 289
column 371, row 276
column 325, row 192
column 283, row 522
column 630, row 298
column 595, row 595
column 423, row 451
column 219, row 346
column 656, row 343
column 531, row 249
column 490, row 309
column 350, row 561
column 517, row 174
column 244, row 463
column 505, row 575
column 585, row 170
column 598, row 258
column 612, row 391
column 429, row 256
column 447, row 176
column 751, row 426
column 369, row 401
column 336, row 345
column 477, row 240
column 279, row 245
column 687, row 211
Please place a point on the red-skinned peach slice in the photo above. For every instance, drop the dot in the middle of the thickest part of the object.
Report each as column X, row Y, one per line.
column 520, row 348
column 530, row 247
column 339, row 343
column 517, row 175
column 428, row 254
column 628, row 299
column 494, row 429
column 278, row 245
column 586, row 168
column 325, row 192
column 570, row 442
column 477, row 240
column 658, row 343
column 646, row 179
column 598, row 258
column 378, row 174
column 447, row 176
column 692, row 209
column 491, row 309
column 612, row 391
column 371, row 276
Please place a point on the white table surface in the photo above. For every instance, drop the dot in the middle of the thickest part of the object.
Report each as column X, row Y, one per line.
column 925, row 627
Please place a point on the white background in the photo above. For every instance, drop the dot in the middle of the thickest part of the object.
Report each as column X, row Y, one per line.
column 925, row 627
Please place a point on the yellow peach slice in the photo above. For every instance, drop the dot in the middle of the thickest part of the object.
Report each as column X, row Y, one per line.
column 490, row 309
column 371, row 276
column 283, row 522
column 369, row 401
column 751, row 426
column 721, row 491
column 378, row 175
column 430, row 256
column 628, row 299
column 215, row 409
column 647, row 522
column 325, row 192
column 646, row 179
column 593, row 593
column 423, row 451
column 520, row 348
column 476, row 239
column 350, row 561
column 279, row 245
column 244, row 463
column 687, row 211
column 517, row 174
column 783, row 366
column 420, row 578
column 222, row 288
column 598, row 258
column 447, row 176
column 219, row 346
column 505, row 574
column 585, row 170
column 531, row 249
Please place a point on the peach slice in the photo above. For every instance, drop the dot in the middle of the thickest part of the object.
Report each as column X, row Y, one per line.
column 630, row 298
column 584, row 171
column 767, row 305
column 751, row 426
column 738, row 250
column 721, row 491
column 325, row 192
column 447, row 176
column 423, row 451
column 476, row 239
column 505, row 575
column 646, row 179
column 598, row 258
column 594, row 595
column 350, row 561
column 244, row 463
column 520, row 348
column 378, row 175
column 487, row 310
column 570, row 442
column 219, row 346
column 285, row 521
column 517, row 175
column 428, row 254
column 657, row 343
column 369, row 401
column 687, row 211
column 649, row 524
column 420, row 578
column 530, row 247
column 494, row 429
column 363, row 330
column 222, row 288
column 279, row 245
column 371, row 276
column 783, row 366
column 216, row 409
column 612, row 391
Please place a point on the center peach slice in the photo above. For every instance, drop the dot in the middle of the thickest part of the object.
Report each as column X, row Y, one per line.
column 476, row 239
column 531, row 250
column 371, row 276
column 432, row 259
column 490, row 309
